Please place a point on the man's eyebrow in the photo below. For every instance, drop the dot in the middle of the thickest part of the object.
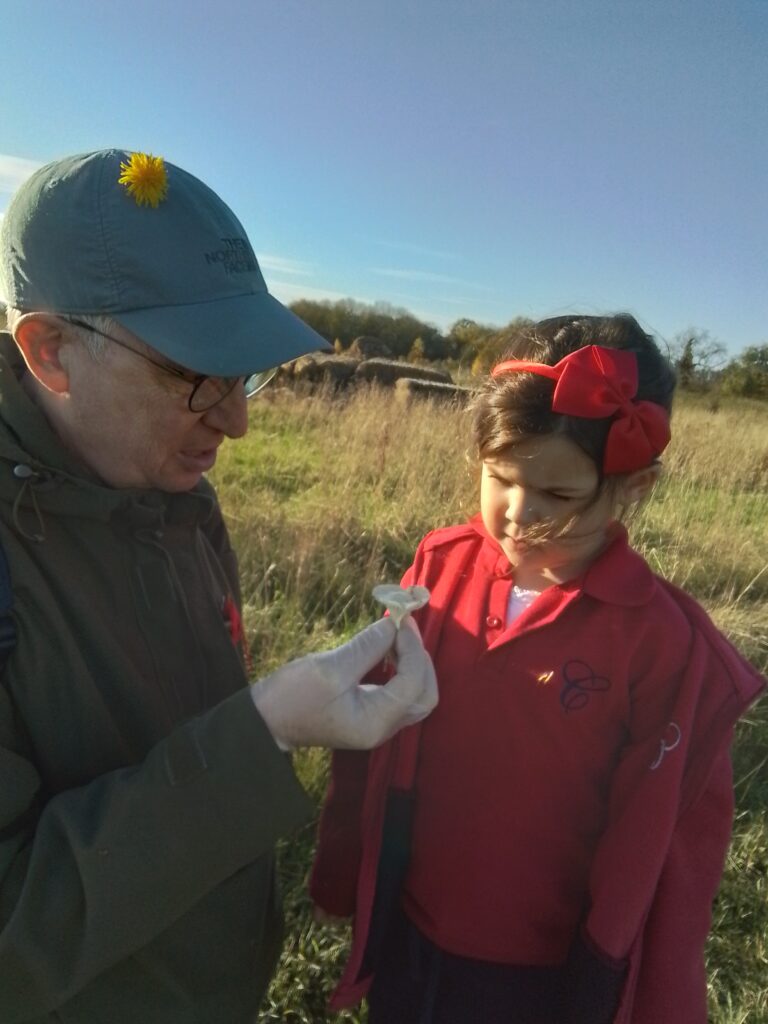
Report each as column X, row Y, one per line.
column 163, row 362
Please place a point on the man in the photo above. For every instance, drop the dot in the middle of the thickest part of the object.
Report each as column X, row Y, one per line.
column 143, row 782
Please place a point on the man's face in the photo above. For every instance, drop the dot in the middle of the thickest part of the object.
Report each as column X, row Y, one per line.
column 129, row 421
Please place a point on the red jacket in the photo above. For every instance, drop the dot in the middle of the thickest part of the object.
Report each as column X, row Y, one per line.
column 658, row 862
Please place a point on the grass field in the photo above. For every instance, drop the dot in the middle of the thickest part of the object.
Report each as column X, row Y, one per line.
column 325, row 498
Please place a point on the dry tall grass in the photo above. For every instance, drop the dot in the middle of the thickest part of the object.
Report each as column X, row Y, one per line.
column 326, row 497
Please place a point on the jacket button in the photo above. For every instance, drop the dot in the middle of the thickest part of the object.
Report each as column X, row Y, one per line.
column 493, row 622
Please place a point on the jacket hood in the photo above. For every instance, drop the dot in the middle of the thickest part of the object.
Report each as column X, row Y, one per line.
column 38, row 474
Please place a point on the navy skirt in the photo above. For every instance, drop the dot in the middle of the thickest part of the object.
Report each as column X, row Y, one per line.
column 418, row 983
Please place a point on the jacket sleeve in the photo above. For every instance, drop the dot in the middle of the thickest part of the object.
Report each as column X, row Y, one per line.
column 93, row 874
column 671, row 983
column 642, row 806
column 660, row 859
column 664, row 977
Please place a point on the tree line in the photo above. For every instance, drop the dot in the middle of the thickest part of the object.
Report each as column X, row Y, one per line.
column 701, row 361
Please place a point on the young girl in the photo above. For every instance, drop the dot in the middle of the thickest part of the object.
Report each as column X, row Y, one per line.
column 545, row 847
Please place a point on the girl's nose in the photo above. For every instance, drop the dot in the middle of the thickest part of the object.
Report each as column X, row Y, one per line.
column 521, row 509
column 230, row 415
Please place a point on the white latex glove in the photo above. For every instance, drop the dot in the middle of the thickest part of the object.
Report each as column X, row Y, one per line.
column 318, row 700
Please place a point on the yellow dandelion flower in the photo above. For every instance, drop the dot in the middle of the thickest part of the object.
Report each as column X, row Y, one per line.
column 146, row 178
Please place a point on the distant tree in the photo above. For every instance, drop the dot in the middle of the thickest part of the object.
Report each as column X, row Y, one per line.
column 368, row 346
column 417, row 353
column 747, row 375
column 686, row 365
column 338, row 348
column 496, row 344
column 697, row 357
column 465, row 339
column 348, row 319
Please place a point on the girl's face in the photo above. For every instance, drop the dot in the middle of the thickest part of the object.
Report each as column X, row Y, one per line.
column 540, row 503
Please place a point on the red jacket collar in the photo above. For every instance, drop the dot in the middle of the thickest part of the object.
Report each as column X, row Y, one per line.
column 617, row 576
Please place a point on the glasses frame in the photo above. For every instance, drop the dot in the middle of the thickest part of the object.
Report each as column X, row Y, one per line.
column 252, row 383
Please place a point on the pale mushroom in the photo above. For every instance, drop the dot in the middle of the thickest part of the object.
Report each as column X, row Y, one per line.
column 399, row 601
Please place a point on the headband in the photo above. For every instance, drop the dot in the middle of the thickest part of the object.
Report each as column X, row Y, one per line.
column 595, row 382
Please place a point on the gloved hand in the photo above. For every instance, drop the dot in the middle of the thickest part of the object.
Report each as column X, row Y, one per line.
column 318, row 700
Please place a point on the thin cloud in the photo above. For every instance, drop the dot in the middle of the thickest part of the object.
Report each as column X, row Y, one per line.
column 14, row 170
column 428, row 277
column 283, row 265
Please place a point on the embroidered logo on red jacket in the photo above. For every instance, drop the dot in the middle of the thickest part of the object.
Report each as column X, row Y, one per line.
column 579, row 683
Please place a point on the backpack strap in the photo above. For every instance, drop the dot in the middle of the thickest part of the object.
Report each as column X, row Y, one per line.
column 7, row 625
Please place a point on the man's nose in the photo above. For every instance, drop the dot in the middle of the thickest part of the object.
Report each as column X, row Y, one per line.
column 521, row 508
column 230, row 415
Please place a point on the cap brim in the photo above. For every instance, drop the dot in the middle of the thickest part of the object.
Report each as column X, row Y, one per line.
column 229, row 337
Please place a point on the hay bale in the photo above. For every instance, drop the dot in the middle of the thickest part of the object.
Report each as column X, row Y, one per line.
column 369, row 347
column 387, row 371
column 406, row 389
column 301, row 369
column 324, row 369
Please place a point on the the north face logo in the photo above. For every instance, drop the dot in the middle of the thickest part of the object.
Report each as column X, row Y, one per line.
column 235, row 256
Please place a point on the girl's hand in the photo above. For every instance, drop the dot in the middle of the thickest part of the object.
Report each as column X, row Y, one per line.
column 329, row 920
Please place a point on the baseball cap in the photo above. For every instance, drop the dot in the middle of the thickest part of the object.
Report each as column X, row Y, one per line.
column 135, row 237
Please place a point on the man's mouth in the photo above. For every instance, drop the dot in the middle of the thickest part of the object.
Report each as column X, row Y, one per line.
column 199, row 460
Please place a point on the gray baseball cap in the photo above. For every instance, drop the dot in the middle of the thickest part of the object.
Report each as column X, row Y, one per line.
column 143, row 241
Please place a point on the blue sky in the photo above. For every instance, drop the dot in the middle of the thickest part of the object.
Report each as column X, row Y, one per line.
column 482, row 158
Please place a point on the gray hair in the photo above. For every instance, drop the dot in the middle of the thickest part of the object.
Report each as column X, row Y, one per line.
column 94, row 344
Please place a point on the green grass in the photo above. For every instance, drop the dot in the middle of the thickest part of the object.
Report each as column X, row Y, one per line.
column 325, row 498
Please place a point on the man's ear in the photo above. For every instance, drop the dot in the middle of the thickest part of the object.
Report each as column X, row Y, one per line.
column 45, row 349
column 636, row 486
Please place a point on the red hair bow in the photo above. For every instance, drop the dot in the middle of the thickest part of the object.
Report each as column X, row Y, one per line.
column 596, row 382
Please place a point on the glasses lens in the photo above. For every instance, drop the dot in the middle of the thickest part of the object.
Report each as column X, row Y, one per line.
column 210, row 391
column 257, row 381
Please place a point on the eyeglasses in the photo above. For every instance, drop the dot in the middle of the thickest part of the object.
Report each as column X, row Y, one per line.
column 206, row 391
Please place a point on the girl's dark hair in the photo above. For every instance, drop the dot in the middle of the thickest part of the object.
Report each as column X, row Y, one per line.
column 518, row 405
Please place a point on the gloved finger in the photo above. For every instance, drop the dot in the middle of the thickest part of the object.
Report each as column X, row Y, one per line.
column 415, row 684
column 358, row 656
column 411, row 623
column 385, row 711
column 429, row 695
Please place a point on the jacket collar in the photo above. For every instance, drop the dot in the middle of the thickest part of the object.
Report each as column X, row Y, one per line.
column 617, row 576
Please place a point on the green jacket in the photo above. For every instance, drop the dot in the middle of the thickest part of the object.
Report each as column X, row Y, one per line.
column 140, row 792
